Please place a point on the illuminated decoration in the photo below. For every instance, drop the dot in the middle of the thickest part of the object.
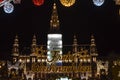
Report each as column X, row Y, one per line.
column 98, row 2
column 29, row 75
column 8, row 7
column 102, row 65
column 17, row 1
column 119, row 74
column 1, row 0
column 38, row 2
column 67, row 3
column 64, row 78
column 54, row 46
column 117, row 2
column 11, row 66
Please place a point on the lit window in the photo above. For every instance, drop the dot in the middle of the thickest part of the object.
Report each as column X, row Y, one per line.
column 33, row 59
column 38, row 60
column 43, row 60
column 28, row 60
column 89, row 60
column 20, row 60
column 85, row 60
column 81, row 60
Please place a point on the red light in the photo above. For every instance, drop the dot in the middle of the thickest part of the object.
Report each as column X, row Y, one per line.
column 38, row 2
column 1, row 0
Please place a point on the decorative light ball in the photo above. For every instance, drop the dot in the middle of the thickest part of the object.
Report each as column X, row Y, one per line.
column 8, row 7
column 38, row 2
column 67, row 3
column 1, row 0
column 98, row 2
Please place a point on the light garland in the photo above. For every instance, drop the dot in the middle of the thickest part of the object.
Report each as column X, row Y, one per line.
column 9, row 7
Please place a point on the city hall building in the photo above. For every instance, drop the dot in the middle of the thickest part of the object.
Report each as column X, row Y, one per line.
column 53, row 61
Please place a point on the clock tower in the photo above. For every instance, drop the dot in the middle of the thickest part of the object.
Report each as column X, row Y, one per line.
column 54, row 43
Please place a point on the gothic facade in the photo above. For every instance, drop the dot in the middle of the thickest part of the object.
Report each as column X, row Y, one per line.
column 50, row 62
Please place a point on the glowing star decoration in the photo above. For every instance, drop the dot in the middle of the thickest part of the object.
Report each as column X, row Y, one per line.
column 38, row 2
column 8, row 7
column 98, row 2
column 67, row 3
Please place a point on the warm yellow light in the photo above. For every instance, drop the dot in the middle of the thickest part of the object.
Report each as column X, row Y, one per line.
column 117, row 2
column 119, row 11
column 67, row 3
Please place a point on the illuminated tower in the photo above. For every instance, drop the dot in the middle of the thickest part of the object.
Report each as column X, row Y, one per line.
column 54, row 43
column 34, row 44
column 15, row 51
column 33, row 49
column 94, row 54
column 75, row 45
column 93, row 50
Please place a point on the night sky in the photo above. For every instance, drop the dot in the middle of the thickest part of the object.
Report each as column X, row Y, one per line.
column 82, row 19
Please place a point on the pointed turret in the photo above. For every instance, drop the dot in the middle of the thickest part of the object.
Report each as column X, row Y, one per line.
column 75, row 45
column 15, row 51
column 92, row 41
column 54, row 22
column 93, row 49
column 34, row 44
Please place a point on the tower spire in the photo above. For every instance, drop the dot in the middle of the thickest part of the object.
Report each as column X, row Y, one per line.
column 93, row 49
column 54, row 22
column 92, row 40
column 16, row 46
column 75, row 44
column 34, row 44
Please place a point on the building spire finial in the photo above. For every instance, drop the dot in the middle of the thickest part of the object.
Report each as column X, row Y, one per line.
column 16, row 46
column 54, row 22
column 34, row 44
column 75, row 44
column 92, row 40
column 93, row 49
